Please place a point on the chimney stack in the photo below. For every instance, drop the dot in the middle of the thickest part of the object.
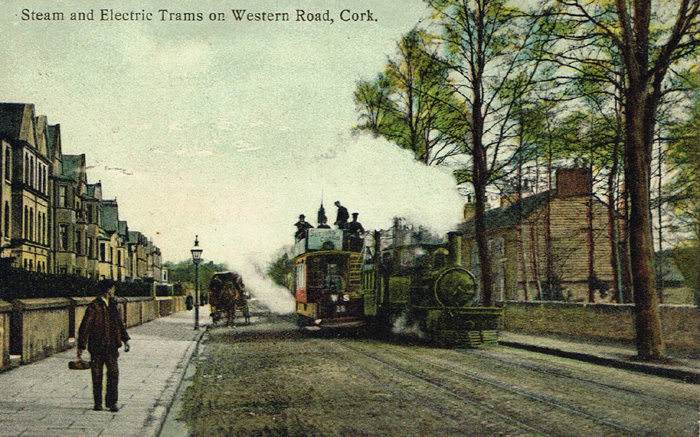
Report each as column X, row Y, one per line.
column 573, row 182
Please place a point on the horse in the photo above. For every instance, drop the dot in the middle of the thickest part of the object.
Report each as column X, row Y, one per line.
column 226, row 294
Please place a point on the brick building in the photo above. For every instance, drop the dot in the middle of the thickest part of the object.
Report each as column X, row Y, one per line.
column 552, row 245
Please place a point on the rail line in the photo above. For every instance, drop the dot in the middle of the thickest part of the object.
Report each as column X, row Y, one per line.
column 561, row 374
column 493, row 382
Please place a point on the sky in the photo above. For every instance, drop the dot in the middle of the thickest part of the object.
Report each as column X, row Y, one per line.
column 223, row 129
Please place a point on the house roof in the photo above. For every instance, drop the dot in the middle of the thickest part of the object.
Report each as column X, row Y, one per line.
column 53, row 139
column 13, row 120
column 509, row 216
column 123, row 228
column 73, row 167
column 109, row 215
column 667, row 268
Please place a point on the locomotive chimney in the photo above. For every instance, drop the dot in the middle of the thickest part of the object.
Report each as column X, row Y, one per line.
column 454, row 245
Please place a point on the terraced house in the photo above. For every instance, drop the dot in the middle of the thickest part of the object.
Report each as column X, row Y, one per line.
column 51, row 219
column 26, row 189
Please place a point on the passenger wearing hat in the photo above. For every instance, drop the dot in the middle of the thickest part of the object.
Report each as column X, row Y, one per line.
column 302, row 225
column 355, row 228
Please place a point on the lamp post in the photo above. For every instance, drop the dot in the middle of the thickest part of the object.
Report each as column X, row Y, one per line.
column 196, row 259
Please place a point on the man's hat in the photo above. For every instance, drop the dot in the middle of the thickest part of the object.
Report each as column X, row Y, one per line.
column 354, row 214
column 301, row 216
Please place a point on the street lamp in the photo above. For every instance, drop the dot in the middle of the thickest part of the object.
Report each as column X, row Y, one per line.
column 196, row 259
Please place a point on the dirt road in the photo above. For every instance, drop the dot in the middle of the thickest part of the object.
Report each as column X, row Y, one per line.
column 271, row 379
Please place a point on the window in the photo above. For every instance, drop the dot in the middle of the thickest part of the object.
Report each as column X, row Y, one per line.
column 8, row 164
column 62, row 196
column 103, row 252
column 90, row 248
column 78, row 242
column 63, row 237
column 31, row 224
column 7, row 218
column 26, row 221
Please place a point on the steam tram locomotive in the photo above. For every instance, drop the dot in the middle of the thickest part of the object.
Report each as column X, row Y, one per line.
column 401, row 275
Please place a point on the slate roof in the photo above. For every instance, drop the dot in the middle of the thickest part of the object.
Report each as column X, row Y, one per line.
column 53, row 139
column 135, row 237
column 670, row 273
column 123, row 228
column 73, row 167
column 109, row 215
column 12, row 116
column 509, row 216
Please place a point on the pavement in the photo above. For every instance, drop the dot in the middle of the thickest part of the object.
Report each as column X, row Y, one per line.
column 612, row 355
column 45, row 398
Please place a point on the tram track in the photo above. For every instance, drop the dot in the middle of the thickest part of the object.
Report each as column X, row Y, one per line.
column 471, row 400
column 612, row 426
column 559, row 373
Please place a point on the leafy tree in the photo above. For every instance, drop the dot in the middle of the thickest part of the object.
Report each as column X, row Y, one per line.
column 410, row 104
column 184, row 273
column 487, row 45
column 280, row 271
column 649, row 40
column 683, row 193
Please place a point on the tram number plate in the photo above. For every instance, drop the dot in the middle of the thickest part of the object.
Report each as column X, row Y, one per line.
column 340, row 309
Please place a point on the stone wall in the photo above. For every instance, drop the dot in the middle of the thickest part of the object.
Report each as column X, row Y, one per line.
column 601, row 322
column 40, row 327
column 37, row 328
column 165, row 306
column 149, row 310
column 5, row 320
column 134, row 310
column 77, row 312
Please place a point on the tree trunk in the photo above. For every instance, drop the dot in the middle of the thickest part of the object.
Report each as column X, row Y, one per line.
column 480, row 223
column 613, row 234
column 592, row 279
column 638, row 157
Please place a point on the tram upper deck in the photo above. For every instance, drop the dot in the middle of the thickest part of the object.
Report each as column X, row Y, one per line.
column 326, row 239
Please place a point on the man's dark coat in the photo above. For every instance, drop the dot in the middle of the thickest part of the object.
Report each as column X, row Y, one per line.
column 102, row 328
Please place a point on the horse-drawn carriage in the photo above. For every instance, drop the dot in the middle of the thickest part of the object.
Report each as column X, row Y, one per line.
column 227, row 294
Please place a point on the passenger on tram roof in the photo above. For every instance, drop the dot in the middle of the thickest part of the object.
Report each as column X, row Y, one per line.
column 341, row 219
column 302, row 225
column 355, row 228
column 323, row 224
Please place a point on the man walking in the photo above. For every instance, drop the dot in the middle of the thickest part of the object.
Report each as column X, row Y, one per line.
column 103, row 331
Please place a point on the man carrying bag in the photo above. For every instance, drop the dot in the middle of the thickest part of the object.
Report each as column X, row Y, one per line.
column 103, row 331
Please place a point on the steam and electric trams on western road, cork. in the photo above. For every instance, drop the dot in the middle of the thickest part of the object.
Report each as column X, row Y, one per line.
column 394, row 276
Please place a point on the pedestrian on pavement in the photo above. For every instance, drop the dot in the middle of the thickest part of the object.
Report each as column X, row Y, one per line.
column 102, row 331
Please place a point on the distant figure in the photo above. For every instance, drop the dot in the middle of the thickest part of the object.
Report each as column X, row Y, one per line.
column 189, row 302
column 355, row 228
column 302, row 225
column 341, row 219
